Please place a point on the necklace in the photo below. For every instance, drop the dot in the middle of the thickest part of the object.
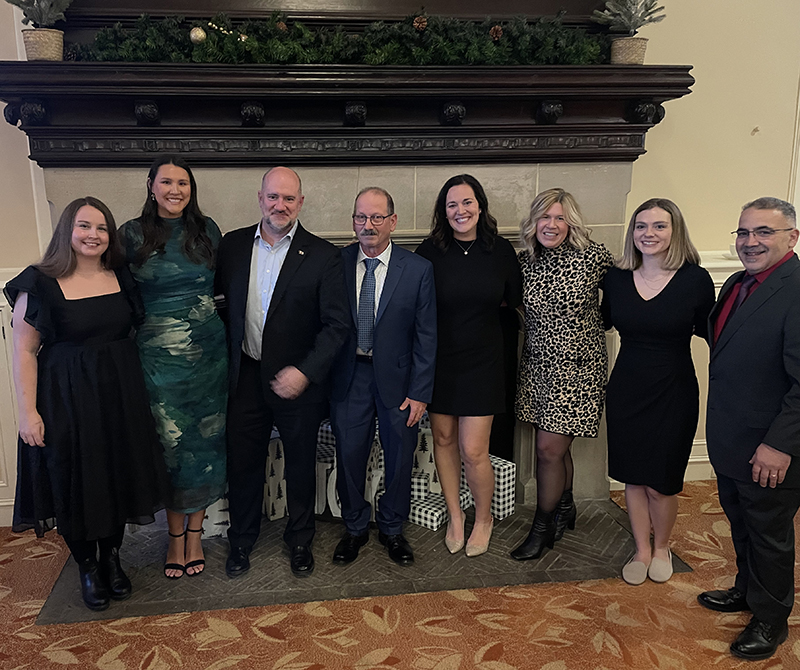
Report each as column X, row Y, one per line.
column 460, row 246
column 659, row 282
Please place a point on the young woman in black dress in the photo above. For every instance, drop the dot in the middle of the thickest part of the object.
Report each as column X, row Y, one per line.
column 656, row 297
column 475, row 271
column 89, row 459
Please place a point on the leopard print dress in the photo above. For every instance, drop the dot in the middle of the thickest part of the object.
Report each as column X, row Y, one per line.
column 563, row 371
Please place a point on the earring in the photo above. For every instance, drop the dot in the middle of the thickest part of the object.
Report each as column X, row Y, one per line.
column 152, row 196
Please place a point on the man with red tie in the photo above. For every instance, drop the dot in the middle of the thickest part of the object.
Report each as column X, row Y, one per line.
column 753, row 422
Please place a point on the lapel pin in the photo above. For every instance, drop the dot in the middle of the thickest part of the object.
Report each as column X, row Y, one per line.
column 301, row 252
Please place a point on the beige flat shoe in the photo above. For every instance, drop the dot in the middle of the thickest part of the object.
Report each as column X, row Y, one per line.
column 454, row 546
column 473, row 550
column 660, row 570
column 635, row 572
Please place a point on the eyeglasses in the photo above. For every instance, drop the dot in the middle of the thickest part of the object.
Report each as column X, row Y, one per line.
column 375, row 219
column 759, row 233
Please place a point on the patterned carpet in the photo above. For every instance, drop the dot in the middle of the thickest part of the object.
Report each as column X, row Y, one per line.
column 591, row 625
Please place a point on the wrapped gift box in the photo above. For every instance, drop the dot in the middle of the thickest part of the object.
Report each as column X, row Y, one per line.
column 420, row 485
column 431, row 513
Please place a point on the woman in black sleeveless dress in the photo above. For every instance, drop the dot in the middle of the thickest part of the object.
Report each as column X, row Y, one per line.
column 89, row 459
column 656, row 297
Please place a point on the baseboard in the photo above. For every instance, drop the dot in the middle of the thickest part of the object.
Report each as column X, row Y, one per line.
column 699, row 467
column 6, row 513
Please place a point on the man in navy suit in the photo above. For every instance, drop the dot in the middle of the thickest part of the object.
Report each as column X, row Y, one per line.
column 384, row 370
column 285, row 312
column 753, row 422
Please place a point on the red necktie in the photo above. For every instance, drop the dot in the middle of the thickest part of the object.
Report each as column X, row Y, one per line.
column 744, row 291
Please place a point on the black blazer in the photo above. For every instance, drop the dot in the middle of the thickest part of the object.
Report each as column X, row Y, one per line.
column 754, row 376
column 307, row 320
column 404, row 338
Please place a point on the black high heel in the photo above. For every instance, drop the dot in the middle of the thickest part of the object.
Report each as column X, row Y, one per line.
column 198, row 562
column 174, row 566
column 541, row 535
column 117, row 582
column 566, row 514
column 93, row 590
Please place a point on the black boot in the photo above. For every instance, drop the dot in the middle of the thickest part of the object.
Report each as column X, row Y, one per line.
column 541, row 535
column 117, row 582
column 93, row 588
column 566, row 513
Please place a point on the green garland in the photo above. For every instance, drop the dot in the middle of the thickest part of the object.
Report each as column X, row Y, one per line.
column 417, row 40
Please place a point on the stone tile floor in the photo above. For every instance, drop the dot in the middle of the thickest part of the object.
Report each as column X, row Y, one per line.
column 598, row 548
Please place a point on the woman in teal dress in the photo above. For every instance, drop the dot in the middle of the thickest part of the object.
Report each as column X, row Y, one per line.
column 171, row 249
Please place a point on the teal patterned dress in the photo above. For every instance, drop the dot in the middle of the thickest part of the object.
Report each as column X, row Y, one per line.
column 184, row 355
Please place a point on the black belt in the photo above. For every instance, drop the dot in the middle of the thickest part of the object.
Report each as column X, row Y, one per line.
column 361, row 358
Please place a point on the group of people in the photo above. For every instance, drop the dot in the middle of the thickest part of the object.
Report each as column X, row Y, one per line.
column 151, row 364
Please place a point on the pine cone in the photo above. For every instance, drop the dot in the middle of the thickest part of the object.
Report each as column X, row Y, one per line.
column 496, row 32
column 280, row 25
column 420, row 23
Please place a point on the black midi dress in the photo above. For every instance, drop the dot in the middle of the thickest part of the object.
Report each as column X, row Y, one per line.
column 652, row 398
column 470, row 288
column 102, row 464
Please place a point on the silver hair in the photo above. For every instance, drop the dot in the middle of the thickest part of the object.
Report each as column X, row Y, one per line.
column 785, row 208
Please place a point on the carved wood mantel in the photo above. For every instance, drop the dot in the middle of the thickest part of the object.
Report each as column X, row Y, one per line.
column 123, row 114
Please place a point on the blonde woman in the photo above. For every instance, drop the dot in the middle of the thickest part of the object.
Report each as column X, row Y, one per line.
column 657, row 297
column 563, row 368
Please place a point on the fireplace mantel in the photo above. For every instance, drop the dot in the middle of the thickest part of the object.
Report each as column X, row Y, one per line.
column 122, row 114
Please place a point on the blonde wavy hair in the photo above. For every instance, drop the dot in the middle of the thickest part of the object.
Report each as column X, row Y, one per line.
column 577, row 235
column 681, row 250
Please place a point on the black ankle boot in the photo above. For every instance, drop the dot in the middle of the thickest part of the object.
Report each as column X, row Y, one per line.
column 93, row 588
column 117, row 582
column 566, row 513
column 541, row 535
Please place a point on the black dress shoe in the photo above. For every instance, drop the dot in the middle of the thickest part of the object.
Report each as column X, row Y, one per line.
column 238, row 562
column 347, row 549
column 732, row 600
column 302, row 561
column 398, row 547
column 93, row 588
column 759, row 640
column 116, row 581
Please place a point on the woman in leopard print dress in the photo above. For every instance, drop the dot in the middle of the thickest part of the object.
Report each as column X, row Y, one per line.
column 564, row 363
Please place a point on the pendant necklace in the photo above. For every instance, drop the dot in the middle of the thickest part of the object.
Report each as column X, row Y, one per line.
column 466, row 251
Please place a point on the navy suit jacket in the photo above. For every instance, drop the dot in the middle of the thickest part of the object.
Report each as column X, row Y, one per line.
column 307, row 320
column 404, row 338
column 754, row 376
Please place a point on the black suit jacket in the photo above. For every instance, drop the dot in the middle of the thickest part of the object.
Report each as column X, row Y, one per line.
column 404, row 338
column 754, row 376
column 308, row 318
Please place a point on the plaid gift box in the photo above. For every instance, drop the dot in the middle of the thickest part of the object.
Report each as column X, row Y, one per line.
column 504, row 496
column 326, row 443
column 505, row 475
column 420, row 485
column 431, row 513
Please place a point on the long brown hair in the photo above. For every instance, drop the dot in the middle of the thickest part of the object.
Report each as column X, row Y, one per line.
column 59, row 258
column 197, row 245
column 681, row 250
column 442, row 232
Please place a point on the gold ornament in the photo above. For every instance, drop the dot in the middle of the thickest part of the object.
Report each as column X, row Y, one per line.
column 420, row 23
column 280, row 25
column 496, row 33
column 242, row 37
column 197, row 35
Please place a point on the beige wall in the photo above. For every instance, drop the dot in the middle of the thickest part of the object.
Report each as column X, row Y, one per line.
column 20, row 242
column 732, row 139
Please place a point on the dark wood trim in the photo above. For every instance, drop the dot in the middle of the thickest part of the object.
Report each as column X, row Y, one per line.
column 115, row 114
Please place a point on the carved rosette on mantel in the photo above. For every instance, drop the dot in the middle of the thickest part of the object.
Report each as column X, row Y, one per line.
column 123, row 114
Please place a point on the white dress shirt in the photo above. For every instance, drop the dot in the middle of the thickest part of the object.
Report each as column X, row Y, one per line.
column 266, row 262
column 380, row 277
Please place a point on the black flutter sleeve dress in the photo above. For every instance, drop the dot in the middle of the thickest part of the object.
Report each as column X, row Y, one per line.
column 102, row 464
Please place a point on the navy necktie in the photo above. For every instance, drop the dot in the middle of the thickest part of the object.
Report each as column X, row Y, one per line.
column 366, row 306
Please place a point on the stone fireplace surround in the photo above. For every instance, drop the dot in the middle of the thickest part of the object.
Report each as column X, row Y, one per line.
column 94, row 127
